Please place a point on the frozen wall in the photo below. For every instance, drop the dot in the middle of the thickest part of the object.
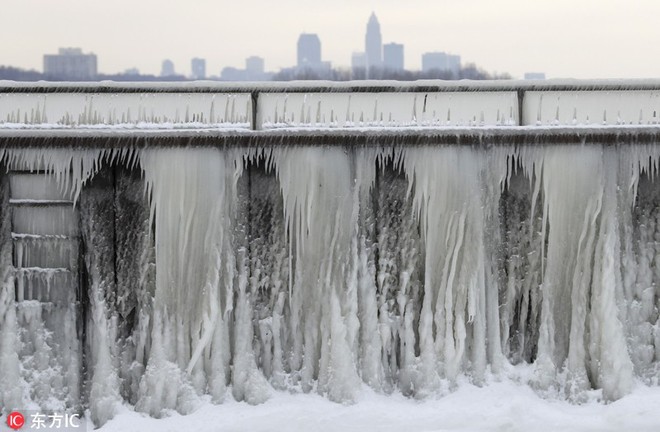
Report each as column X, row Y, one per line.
column 240, row 272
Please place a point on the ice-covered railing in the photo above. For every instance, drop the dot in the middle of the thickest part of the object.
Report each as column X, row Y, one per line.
column 620, row 107
column 125, row 110
column 388, row 109
column 315, row 105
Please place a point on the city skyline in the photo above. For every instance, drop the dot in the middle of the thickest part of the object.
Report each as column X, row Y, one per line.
column 378, row 60
column 562, row 38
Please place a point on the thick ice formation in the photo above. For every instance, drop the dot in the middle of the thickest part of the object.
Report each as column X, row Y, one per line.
column 244, row 271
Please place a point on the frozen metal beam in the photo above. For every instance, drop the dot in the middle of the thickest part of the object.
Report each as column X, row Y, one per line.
column 625, row 135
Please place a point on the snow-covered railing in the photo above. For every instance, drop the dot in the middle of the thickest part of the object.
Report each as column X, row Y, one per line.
column 620, row 107
column 125, row 110
column 318, row 105
column 387, row 109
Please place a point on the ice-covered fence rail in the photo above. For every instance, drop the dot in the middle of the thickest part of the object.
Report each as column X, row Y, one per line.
column 321, row 104
column 617, row 107
column 387, row 109
column 128, row 110
column 357, row 137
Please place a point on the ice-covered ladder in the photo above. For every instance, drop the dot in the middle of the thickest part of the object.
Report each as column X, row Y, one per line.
column 45, row 236
column 45, row 239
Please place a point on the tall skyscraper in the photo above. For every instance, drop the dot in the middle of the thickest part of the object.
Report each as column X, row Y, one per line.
column 309, row 51
column 70, row 64
column 198, row 67
column 167, row 68
column 373, row 43
column 393, row 56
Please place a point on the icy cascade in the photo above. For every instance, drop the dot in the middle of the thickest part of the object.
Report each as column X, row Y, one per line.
column 458, row 328
column 580, row 274
column 320, row 190
column 240, row 271
column 193, row 198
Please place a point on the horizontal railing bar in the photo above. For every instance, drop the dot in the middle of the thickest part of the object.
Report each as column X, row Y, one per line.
column 96, row 138
column 422, row 86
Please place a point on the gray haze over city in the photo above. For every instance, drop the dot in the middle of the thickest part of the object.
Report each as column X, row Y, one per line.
column 562, row 38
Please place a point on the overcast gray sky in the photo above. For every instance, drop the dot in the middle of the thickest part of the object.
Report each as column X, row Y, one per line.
column 563, row 38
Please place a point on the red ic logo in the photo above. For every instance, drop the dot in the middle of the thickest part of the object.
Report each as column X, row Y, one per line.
column 15, row 420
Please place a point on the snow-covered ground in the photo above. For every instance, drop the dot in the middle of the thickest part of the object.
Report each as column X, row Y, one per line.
column 498, row 406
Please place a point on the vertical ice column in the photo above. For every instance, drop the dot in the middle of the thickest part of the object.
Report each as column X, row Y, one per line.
column 581, row 273
column 457, row 315
column 193, row 198
column 610, row 365
column 318, row 187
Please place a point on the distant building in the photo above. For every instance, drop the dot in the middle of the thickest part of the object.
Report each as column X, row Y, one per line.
column 373, row 43
column 393, row 56
column 441, row 61
column 309, row 51
column 198, row 67
column 358, row 65
column 358, row 60
column 70, row 64
column 167, row 69
column 254, row 71
column 454, row 63
column 534, row 75
column 233, row 74
column 132, row 71
column 254, row 65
